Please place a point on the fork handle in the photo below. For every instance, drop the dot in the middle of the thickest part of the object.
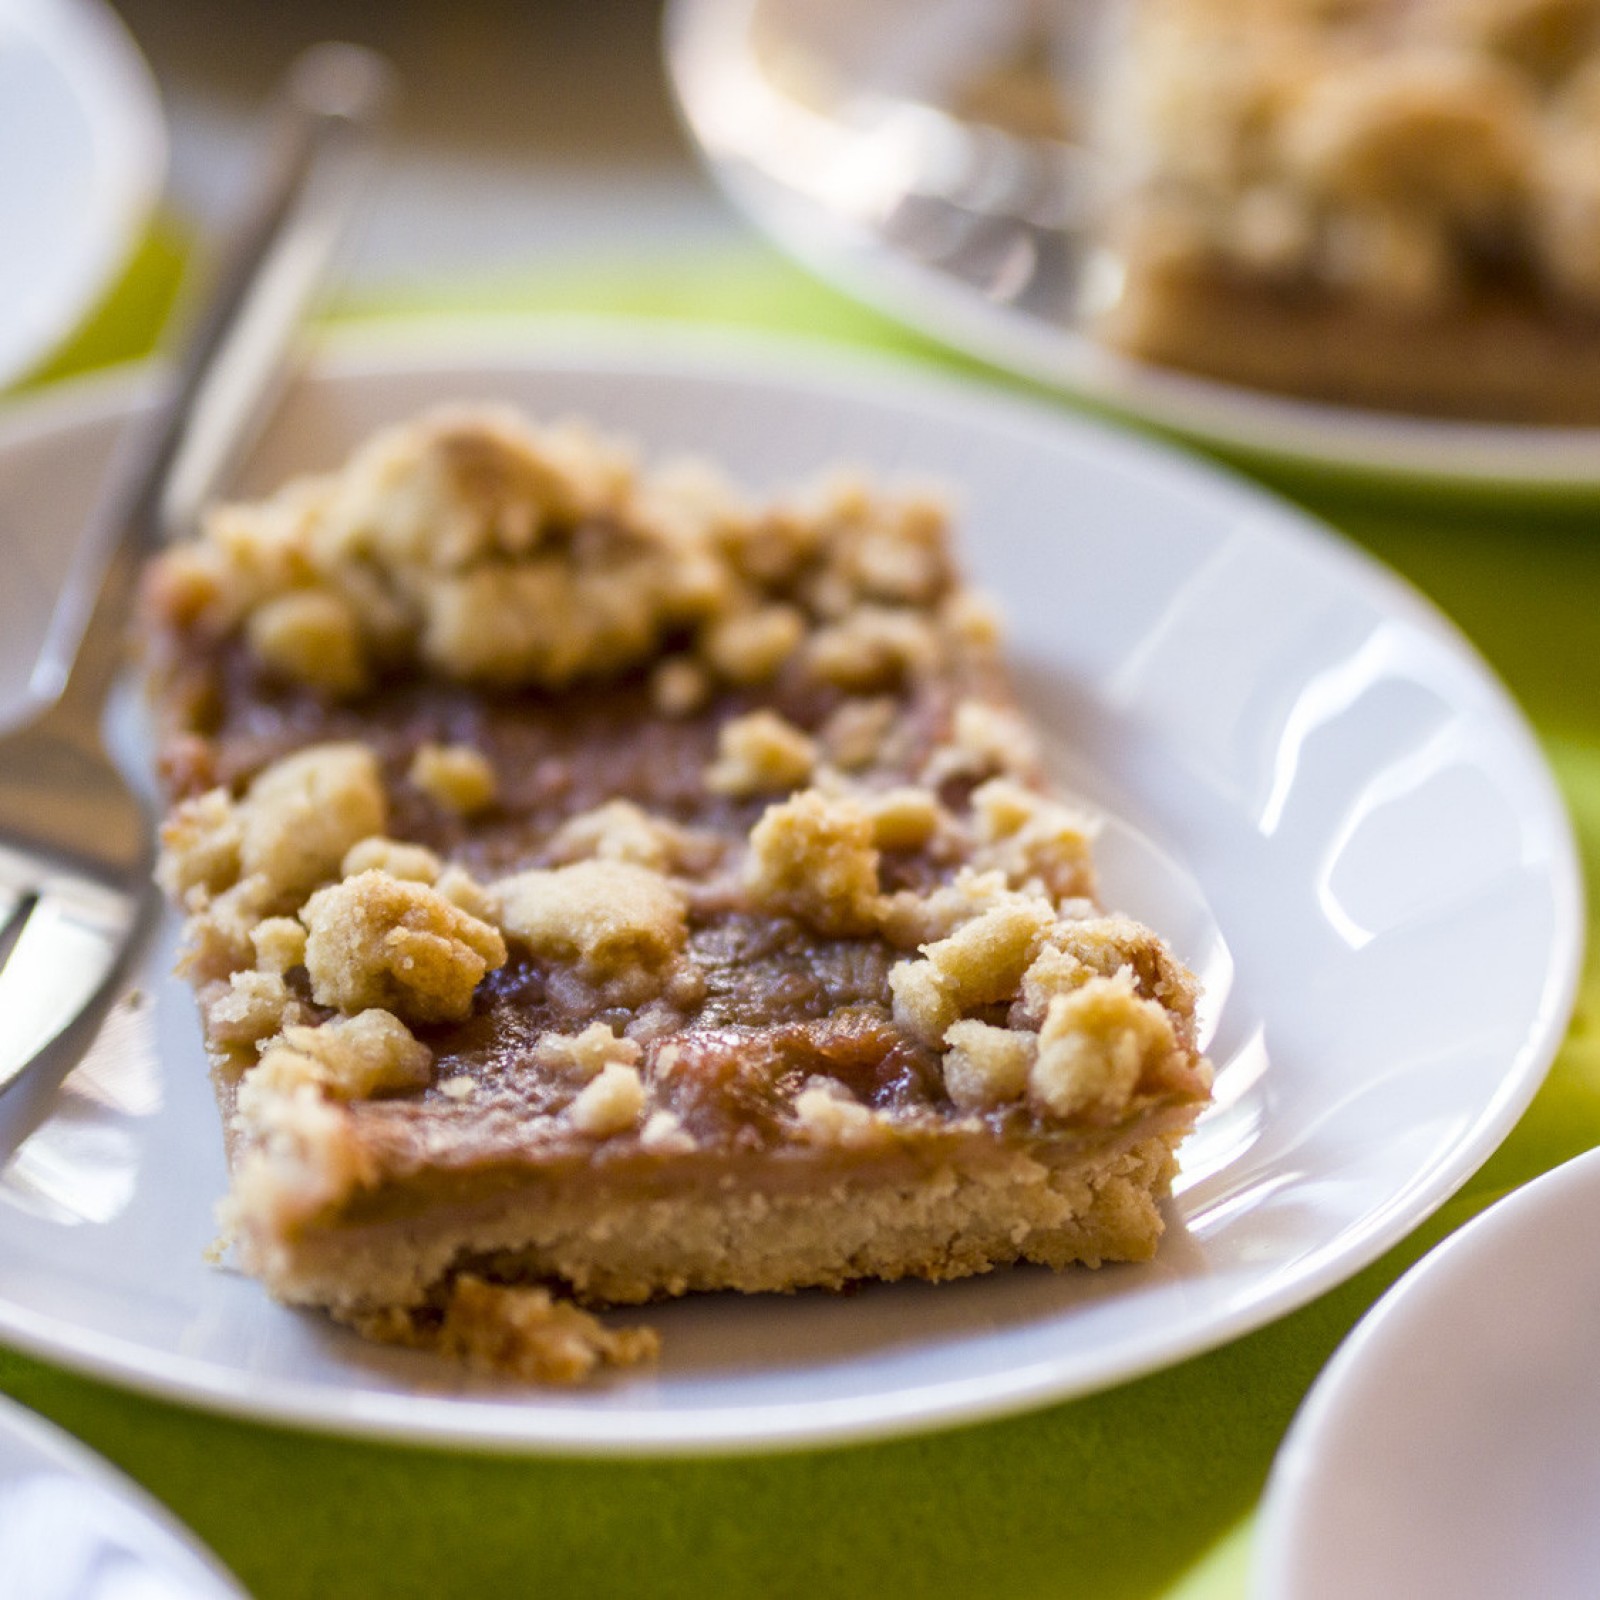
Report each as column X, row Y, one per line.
column 230, row 360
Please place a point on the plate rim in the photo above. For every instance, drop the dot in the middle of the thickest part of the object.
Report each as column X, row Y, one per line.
column 1291, row 1479
column 1350, row 442
column 116, row 93
column 400, row 345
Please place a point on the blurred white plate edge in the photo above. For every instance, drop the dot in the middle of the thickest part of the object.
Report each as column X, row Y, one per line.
column 1451, row 1447
column 112, row 96
column 103, row 1529
column 702, row 48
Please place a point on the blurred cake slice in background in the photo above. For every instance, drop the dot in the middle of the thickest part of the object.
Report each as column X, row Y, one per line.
column 1392, row 203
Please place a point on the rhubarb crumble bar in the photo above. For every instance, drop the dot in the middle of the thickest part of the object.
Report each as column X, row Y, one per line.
column 1390, row 202
column 601, row 887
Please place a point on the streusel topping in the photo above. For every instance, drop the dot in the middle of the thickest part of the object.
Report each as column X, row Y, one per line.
column 540, row 800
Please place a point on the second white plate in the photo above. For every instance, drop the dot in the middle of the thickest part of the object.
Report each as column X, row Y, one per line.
column 817, row 186
column 82, row 152
column 1378, row 887
column 73, row 1528
column 1451, row 1450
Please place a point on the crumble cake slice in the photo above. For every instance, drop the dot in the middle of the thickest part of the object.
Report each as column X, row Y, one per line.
column 1388, row 202
column 596, row 883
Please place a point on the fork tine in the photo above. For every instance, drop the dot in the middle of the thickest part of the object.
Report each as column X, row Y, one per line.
column 11, row 901
column 18, row 875
column 67, row 948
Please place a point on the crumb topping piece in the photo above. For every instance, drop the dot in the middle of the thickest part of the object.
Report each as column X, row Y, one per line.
column 374, row 940
column 289, row 832
column 280, row 943
column 985, row 740
column 749, row 647
column 413, row 862
column 234, row 864
column 300, row 1159
column 463, row 891
column 980, row 964
column 200, row 843
column 310, row 636
column 346, row 1058
column 528, row 1334
column 758, row 754
column 619, row 925
column 456, row 777
column 253, row 1006
column 609, row 1103
column 986, row 1066
column 1096, row 1044
column 905, row 818
column 587, row 1054
column 301, row 815
column 812, row 857
column 853, row 736
column 619, row 830
column 872, row 647
column 1037, row 843
column 827, row 1113
column 678, row 687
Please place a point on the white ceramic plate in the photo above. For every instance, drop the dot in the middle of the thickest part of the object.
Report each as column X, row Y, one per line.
column 828, row 192
column 1452, row 1447
column 82, row 152
column 71, row 1528
column 1377, row 885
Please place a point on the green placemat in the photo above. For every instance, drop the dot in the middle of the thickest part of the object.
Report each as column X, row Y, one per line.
column 1147, row 1490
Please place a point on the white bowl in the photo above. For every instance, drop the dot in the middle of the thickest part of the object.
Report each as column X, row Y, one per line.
column 1449, row 1450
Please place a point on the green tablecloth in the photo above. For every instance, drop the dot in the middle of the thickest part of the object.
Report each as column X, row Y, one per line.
column 1148, row 1490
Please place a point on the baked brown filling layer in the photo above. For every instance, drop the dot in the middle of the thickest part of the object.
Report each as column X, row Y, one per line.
column 777, row 1003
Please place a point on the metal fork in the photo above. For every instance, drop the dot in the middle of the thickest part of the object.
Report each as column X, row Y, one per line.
column 76, row 841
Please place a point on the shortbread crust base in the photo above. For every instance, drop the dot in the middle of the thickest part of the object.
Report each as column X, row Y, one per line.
column 891, row 1219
